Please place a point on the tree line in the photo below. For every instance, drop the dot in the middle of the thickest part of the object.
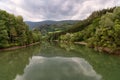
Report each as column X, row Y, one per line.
column 100, row 29
column 81, row 25
column 14, row 31
column 103, row 31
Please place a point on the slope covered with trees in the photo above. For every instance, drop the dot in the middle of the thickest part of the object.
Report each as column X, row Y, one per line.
column 49, row 26
column 14, row 32
column 100, row 30
column 81, row 25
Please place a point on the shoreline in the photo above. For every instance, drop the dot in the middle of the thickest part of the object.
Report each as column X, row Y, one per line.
column 102, row 49
column 81, row 43
column 108, row 50
column 18, row 47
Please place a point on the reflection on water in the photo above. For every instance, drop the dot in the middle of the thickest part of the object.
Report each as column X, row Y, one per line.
column 56, row 60
column 58, row 68
column 14, row 62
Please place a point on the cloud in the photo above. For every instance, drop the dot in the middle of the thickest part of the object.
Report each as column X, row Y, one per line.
column 38, row 10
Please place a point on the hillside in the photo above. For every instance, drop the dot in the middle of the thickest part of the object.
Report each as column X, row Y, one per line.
column 100, row 30
column 48, row 22
column 51, row 26
column 36, row 24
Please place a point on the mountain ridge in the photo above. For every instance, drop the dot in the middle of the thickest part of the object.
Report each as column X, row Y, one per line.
column 33, row 25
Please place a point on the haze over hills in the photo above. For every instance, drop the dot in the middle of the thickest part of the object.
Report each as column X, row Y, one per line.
column 51, row 26
column 49, row 23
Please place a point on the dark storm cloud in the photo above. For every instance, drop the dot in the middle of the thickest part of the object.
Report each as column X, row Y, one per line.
column 36, row 10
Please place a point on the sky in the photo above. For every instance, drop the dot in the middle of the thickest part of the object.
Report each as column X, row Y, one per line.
column 40, row 10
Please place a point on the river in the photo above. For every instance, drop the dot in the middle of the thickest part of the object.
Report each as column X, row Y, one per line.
column 53, row 61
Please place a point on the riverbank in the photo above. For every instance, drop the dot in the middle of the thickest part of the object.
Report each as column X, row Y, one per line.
column 102, row 49
column 18, row 47
column 81, row 43
column 108, row 50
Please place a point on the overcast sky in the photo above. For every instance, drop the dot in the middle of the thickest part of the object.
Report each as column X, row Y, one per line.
column 39, row 10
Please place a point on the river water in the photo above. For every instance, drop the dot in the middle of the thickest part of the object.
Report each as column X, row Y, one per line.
column 53, row 61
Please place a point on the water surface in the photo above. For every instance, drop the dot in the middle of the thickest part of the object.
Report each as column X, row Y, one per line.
column 58, row 62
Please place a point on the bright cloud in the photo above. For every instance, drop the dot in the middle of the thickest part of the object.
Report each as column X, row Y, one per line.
column 38, row 10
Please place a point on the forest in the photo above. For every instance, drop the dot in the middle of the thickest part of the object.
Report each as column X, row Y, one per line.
column 15, row 32
column 100, row 30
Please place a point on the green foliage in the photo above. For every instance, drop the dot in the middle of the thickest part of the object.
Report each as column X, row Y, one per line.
column 3, row 35
column 117, row 32
column 82, row 25
column 108, row 31
column 66, row 37
column 13, row 31
column 101, row 29
column 36, row 36
column 117, row 12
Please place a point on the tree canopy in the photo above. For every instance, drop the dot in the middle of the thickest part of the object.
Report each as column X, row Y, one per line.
column 14, row 32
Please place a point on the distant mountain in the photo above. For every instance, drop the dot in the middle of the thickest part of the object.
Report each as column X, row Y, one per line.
column 33, row 25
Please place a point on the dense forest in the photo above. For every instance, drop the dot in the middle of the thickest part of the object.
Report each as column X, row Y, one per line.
column 14, row 32
column 81, row 25
column 100, row 30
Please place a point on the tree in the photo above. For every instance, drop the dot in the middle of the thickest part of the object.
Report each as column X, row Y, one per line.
column 117, row 12
column 117, row 32
column 3, row 35
column 14, row 31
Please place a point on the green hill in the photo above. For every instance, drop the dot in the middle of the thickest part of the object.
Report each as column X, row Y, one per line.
column 51, row 26
column 100, row 30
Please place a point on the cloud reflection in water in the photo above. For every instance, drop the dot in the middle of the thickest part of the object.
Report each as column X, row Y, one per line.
column 58, row 68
